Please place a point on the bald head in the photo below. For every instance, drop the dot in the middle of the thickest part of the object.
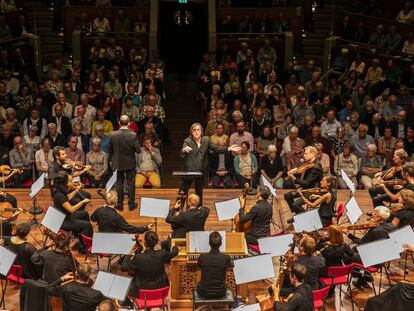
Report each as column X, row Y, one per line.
column 124, row 120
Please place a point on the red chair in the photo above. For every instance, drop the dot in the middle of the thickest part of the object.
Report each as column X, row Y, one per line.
column 340, row 212
column 340, row 275
column 16, row 274
column 370, row 271
column 256, row 248
column 155, row 298
column 319, row 297
column 147, row 185
column 88, row 242
column 27, row 183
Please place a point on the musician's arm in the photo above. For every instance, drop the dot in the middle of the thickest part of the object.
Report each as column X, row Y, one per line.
column 72, row 194
column 124, row 226
column 294, row 303
column 172, row 218
column 310, row 181
column 318, row 201
column 393, row 197
column 249, row 216
column 7, row 177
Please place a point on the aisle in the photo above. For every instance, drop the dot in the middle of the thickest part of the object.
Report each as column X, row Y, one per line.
column 181, row 111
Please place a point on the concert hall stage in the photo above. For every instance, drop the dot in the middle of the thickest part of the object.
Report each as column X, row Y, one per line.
column 281, row 211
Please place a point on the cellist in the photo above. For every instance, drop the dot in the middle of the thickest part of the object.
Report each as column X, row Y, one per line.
column 260, row 215
column 310, row 178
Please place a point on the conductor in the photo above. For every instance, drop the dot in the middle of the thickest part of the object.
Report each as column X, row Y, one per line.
column 195, row 151
column 123, row 144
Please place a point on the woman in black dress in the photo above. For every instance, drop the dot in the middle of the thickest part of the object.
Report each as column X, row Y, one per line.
column 325, row 201
column 24, row 251
column 76, row 220
column 404, row 216
column 334, row 249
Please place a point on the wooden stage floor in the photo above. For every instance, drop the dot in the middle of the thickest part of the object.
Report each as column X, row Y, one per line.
column 281, row 214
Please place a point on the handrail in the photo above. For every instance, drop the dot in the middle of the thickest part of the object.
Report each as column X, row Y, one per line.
column 380, row 20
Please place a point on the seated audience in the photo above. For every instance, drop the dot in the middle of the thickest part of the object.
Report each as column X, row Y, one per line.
column 221, row 167
column 31, row 140
column 347, row 162
column 21, row 157
column 245, row 166
column 360, row 141
column 241, row 136
column 386, row 147
column 44, row 156
column 371, row 164
column 55, row 138
column 98, row 160
column 271, row 167
column 149, row 132
column 148, row 165
column 100, row 120
column 264, row 141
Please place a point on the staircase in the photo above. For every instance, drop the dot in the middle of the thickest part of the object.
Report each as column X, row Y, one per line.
column 313, row 43
column 51, row 41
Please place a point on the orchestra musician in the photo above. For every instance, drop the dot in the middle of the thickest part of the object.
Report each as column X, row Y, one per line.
column 76, row 220
column 310, row 178
column 62, row 163
column 379, row 218
column 55, row 262
column 213, row 265
column 24, row 251
column 260, row 215
column 324, row 199
column 78, row 294
column 378, row 193
column 302, row 297
column 109, row 220
column 193, row 219
column 5, row 196
column 195, row 152
column 405, row 216
column 148, row 266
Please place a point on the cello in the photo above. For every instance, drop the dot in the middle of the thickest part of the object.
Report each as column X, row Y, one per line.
column 247, row 226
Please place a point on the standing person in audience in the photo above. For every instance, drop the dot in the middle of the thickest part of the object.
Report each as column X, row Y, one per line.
column 271, row 167
column 347, row 162
column 78, row 294
column 193, row 219
column 260, row 216
column 214, row 265
column 109, row 220
column 123, row 144
column 149, row 265
column 370, row 165
column 149, row 162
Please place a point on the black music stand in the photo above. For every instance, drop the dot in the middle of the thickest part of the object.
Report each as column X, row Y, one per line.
column 186, row 174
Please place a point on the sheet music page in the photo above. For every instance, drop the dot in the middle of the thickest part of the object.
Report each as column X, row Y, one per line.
column 307, row 221
column 199, row 241
column 402, row 236
column 119, row 288
column 348, row 181
column 227, row 209
column 7, row 258
column 112, row 243
column 370, row 255
column 103, row 282
column 253, row 268
column 111, row 182
column 267, row 184
column 151, row 207
column 37, row 186
column 353, row 211
column 276, row 245
column 53, row 219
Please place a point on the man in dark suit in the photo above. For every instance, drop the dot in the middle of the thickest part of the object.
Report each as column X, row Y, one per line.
column 123, row 144
column 55, row 138
column 149, row 265
column 63, row 124
column 260, row 215
column 195, row 152
column 221, row 167
column 150, row 118
column 193, row 219
column 309, row 179
column 214, row 265
column 109, row 220
column 77, row 295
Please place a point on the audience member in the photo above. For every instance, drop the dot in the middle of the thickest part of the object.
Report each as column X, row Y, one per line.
column 347, row 162
column 149, row 162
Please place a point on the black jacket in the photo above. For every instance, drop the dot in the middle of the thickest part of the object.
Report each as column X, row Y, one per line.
column 55, row 265
column 381, row 232
column 149, row 268
column 260, row 215
column 192, row 220
column 314, row 266
column 213, row 274
column 196, row 159
column 123, row 144
column 302, row 300
column 311, row 177
column 109, row 220
column 77, row 296
column 214, row 163
column 65, row 125
column 60, row 141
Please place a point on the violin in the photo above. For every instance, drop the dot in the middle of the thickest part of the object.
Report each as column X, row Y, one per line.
column 389, row 173
column 7, row 170
column 317, row 191
column 7, row 210
column 361, row 226
column 394, row 182
column 77, row 165
column 395, row 207
column 301, row 169
column 247, row 226
column 181, row 201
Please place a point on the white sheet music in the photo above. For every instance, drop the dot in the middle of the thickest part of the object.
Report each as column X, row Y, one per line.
column 370, row 255
column 7, row 258
column 37, row 186
column 267, row 184
column 112, row 285
column 227, row 209
column 156, row 208
column 199, row 241
column 112, row 243
column 111, row 182
column 253, row 268
column 405, row 235
column 307, row 221
column 276, row 245
column 53, row 219
column 348, row 181
column 353, row 211
column 252, row 307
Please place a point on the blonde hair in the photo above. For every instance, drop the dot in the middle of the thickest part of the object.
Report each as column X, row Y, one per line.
column 271, row 148
column 194, row 199
column 408, row 198
column 401, row 153
column 335, row 235
column 111, row 198
column 382, row 211
column 312, row 150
